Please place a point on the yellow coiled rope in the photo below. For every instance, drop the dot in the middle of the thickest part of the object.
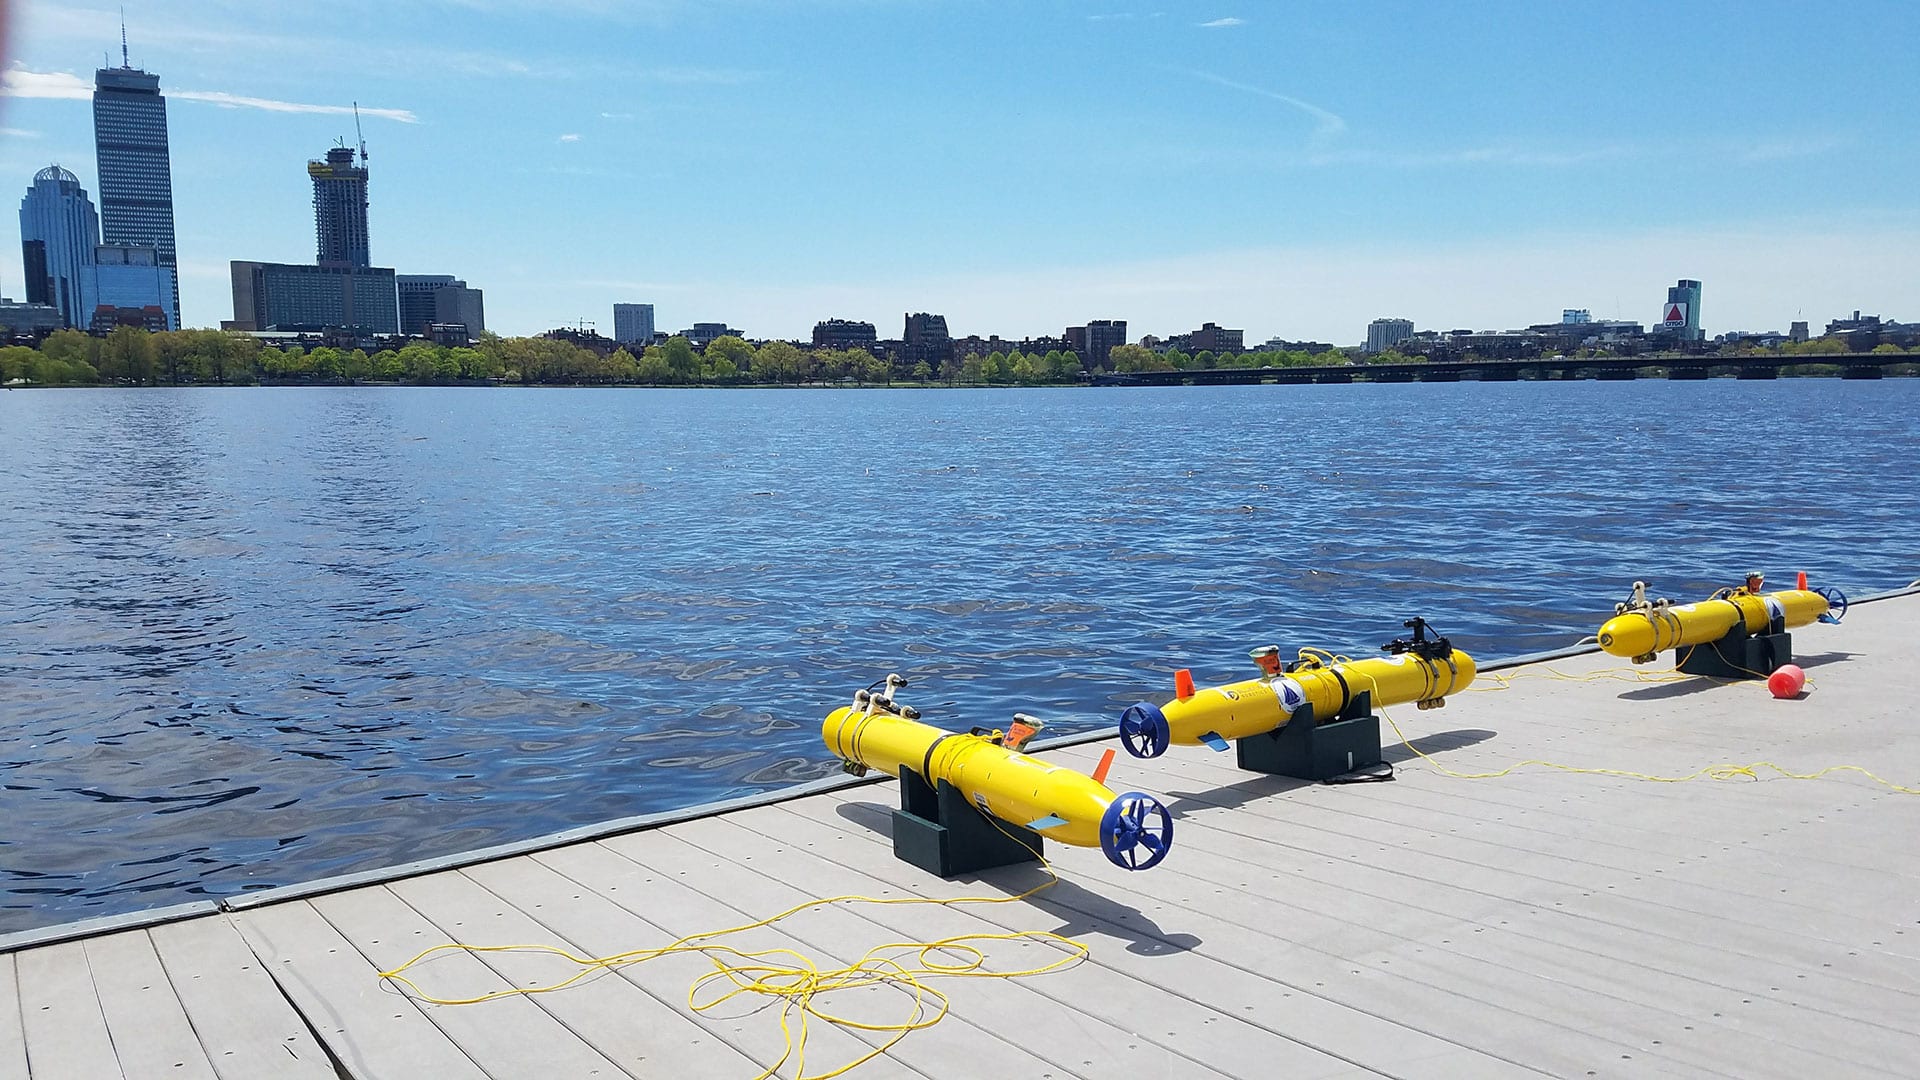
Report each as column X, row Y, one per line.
column 793, row 980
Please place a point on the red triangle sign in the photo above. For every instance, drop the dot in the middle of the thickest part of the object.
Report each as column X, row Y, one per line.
column 1673, row 313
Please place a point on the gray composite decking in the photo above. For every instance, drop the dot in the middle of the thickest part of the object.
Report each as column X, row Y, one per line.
column 1544, row 923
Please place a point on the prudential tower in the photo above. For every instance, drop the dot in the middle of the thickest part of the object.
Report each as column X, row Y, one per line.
column 136, row 170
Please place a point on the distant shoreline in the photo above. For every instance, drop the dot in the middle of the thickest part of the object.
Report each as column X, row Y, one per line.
column 1913, row 372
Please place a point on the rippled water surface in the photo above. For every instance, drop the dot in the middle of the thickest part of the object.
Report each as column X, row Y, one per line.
column 261, row 636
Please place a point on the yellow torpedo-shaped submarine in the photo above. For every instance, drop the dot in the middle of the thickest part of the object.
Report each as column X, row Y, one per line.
column 1642, row 628
column 1421, row 669
column 876, row 732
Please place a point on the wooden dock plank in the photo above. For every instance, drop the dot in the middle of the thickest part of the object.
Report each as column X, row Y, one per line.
column 1231, row 815
column 1517, row 901
column 1891, row 1006
column 757, row 877
column 623, row 1022
column 1627, row 896
column 835, row 937
column 13, row 1042
column 600, row 926
column 1528, row 930
column 246, row 1027
column 367, row 1026
column 1097, row 991
column 1329, row 970
column 1592, row 856
column 1180, row 957
column 1559, row 866
column 1490, row 964
column 1768, row 878
column 687, row 909
column 66, row 1034
column 510, row 1036
column 150, row 1031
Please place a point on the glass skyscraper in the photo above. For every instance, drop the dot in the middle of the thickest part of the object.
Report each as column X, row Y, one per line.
column 58, row 234
column 136, row 170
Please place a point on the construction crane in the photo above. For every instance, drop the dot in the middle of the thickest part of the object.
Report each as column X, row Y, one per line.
column 356, row 132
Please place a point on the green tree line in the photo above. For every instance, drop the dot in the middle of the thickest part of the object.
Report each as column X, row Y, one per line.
column 131, row 356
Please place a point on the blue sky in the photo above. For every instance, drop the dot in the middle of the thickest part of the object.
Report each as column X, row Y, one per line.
column 1294, row 169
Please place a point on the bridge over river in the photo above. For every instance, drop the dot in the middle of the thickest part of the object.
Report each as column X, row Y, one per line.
column 1851, row 365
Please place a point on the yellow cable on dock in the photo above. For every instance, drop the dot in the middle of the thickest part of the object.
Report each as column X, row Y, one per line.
column 1726, row 771
column 798, row 982
column 1711, row 772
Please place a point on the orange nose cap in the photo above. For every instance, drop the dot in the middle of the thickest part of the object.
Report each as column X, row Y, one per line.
column 1183, row 684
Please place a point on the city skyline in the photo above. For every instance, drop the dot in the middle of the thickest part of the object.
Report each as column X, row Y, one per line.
column 1243, row 168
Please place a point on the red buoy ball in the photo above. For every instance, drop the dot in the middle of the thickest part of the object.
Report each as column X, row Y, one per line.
column 1787, row 681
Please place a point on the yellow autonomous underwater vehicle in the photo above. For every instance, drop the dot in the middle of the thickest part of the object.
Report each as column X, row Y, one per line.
column 1421, row 669
column 1133, row 830
column 1642, row 628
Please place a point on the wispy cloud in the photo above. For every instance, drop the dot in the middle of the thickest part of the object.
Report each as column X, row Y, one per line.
column 18, row 133
column 1326, row 124
column 571, row 136
column 1221, row 24
column 22, row 83
column 25, row 83
column 616, row 116
column 241, row 101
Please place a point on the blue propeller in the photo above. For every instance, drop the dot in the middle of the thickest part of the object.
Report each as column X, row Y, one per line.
column 1144, row 731
column 1132, row 824
column 1835, row 599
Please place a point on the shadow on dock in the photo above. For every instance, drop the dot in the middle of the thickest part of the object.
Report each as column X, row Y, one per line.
column 1256, row 787
column 1079, row 910
column 1437, row 743
column 1815, row 660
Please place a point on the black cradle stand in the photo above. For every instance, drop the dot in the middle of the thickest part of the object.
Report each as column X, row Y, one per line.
column 939, row 831
column 1307, row 750
column 1739, row 655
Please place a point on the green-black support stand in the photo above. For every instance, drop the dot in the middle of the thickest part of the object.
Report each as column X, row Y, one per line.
column 939, row 831
column 1739, row 655
column 1306, row 750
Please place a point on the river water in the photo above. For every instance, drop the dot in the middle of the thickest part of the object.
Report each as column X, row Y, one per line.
column 257, row 636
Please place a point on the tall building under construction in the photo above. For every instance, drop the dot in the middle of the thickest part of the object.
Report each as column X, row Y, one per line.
column 340, row 209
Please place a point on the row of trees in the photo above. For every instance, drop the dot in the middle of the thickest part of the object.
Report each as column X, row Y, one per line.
column 130, row 356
